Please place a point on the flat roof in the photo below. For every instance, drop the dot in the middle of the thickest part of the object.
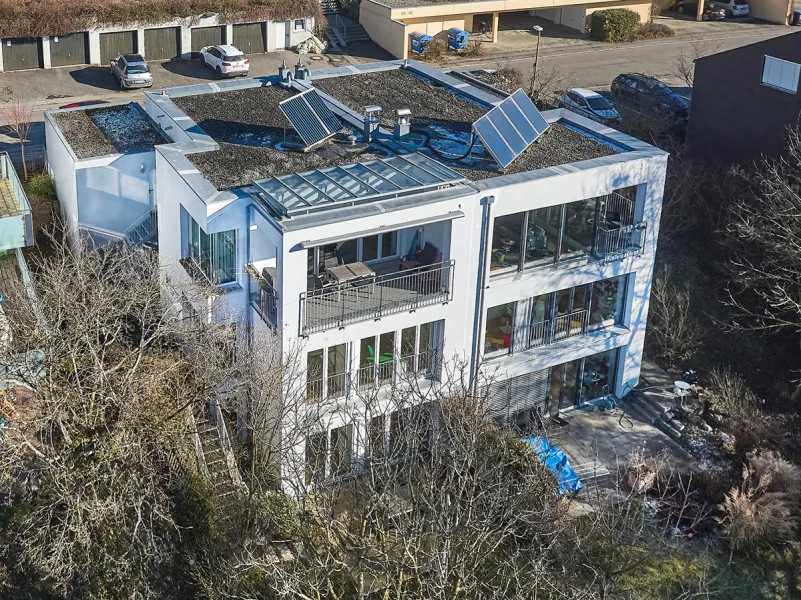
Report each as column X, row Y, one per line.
column 100, row 131
column 255, row 139
column 447, row 118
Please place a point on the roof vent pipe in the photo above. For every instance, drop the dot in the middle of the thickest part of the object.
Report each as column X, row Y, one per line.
column 302, row 72
column 372, row 119
column 403, row 124
column 283, row 71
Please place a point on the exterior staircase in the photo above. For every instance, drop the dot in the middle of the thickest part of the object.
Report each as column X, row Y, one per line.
column 343, row 31
column 215, row 455
column 144, row 231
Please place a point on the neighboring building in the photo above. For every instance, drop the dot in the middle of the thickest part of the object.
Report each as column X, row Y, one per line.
column 745, row 99
column 179, row 38
column 16, row 232
column 538, row 275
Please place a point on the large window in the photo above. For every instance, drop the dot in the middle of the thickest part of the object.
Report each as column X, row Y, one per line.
column 330, row 382
column 381, row 246
column 212, row 255
column 500, row 324
column 607, row 305
column 507, row 237
column 598, row 376
column 781, row 74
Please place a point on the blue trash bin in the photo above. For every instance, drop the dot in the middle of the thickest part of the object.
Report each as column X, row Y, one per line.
column 457, row 38
column 418, row 41
column 796, row 18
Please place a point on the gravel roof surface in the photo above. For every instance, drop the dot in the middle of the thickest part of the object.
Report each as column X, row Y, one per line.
column 235, row 165
column 414, row 3
column 398, row 88
column 227, row 116
column 247, row 124
column 108, row 130
column 558, row 146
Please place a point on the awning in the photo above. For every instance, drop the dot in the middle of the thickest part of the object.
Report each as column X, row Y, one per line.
column 456, row 214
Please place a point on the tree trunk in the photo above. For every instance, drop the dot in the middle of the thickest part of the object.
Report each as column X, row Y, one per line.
column 24, row 166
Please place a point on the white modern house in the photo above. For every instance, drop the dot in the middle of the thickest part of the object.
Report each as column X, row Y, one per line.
column 366, row 218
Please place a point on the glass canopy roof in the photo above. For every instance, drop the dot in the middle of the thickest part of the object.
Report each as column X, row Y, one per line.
column 312, row 191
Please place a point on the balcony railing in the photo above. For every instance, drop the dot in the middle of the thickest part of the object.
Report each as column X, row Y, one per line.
column 412, row 366
column 617, row 243
column 263, row 297
column 549, row 331
column 338, row 305
column 333, row 386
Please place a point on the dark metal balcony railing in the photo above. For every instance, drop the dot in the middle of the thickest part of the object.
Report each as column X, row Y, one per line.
column 338, row 305
column 263, row 297
column 549, row 331
column 618, row 243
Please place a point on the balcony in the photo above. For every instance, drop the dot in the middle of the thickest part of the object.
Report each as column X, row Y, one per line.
column 263, row 297
column 405, row 368
column 619, row 242
column 327, row 388
column 16, row 224
column 544, row 333
column 336, row 305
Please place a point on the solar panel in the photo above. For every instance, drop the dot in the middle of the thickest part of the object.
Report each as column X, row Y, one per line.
column 509, row 128
column 310, row 117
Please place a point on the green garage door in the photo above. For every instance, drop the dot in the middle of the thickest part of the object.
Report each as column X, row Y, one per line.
column 71, row 49
column 22, row 53
column 114, row 44
column 162, row 43
column 206, row 36
column 250, row 38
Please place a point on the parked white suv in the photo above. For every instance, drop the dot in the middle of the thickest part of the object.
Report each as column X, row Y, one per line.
column 227, row 60
column 733, row 8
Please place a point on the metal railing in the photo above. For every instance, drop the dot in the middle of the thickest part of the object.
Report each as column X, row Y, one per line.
column 342, row 304
column 616, row 207
column 411, row 366
column 617, row 243
column 144, row 229
column 264, row 299
column 550, row 331
column 333, row 386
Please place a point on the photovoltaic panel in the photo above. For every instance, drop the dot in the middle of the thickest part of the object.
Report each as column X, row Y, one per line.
column 509, row 128
column 310, row 117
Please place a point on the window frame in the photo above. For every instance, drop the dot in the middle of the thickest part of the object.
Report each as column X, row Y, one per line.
column 768, row 62
column 302, row 25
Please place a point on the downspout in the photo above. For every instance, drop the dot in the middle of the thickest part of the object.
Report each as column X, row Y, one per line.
column 486, row 217
column 248, row 279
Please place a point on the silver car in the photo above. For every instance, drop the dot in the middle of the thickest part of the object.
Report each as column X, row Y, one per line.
column 132, row 71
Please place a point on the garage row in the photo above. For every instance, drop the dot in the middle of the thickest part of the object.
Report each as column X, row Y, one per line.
column 156, row 43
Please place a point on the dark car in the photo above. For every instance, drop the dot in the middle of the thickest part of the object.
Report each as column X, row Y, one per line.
column 690, row 7
column 648, row 93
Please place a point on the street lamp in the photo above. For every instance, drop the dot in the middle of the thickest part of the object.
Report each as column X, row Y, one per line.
column 538, row 30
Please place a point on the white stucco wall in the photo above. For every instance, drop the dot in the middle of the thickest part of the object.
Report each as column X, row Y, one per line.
column 61, row 162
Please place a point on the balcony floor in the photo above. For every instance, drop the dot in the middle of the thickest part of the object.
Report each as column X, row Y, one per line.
column 8, row 203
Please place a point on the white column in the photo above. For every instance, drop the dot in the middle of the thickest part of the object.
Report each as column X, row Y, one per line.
column 94, row 47
column 229, row 34
column 186, row 41
column 140, row 42
column 2, row 44
column 46, row 52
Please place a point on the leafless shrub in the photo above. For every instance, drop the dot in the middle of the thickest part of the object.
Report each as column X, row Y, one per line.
column 475, row 49
column 782, row 476
column 507, row 78
column 653, row 31
column 16, row 118
column 731, row 394
column 548, row 85
column 753, row 515
column 435, row 50
column 684, row 64
column 673, row 330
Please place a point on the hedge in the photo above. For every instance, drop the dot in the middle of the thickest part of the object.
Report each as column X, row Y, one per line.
column 615, row 25
column 35, row 18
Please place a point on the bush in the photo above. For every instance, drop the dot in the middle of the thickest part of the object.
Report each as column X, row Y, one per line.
column 652, row 31
column 673, row 332
column 615, row 25
column 507, row 78
column 475, row 49
column 731, row 394
column 780, row 475
column 41, row 185
column 435, row 49
column 754, row 516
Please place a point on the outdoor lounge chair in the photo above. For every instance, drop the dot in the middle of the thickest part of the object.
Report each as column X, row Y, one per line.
column 382, row 358
column 428, row 256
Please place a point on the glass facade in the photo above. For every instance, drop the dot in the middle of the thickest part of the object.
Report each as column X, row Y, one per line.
column 213, row 255
column 499, row 327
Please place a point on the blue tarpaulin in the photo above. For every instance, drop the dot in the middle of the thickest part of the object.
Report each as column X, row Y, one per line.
column 558, row 463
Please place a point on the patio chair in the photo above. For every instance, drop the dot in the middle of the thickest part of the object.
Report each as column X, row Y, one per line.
column 426, row 257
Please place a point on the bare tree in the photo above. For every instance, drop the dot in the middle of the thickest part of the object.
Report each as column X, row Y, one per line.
column 16, row 115
column 673, row 330
column 684, row 64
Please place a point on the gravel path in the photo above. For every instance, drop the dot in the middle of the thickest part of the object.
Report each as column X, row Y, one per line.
column 111, row 130
column 398, row 88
